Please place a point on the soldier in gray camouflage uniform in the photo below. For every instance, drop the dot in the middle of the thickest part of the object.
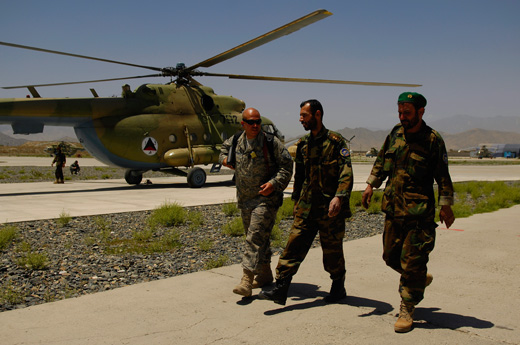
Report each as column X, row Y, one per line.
column 323, row 181
column 261, row 177
column 412, row 157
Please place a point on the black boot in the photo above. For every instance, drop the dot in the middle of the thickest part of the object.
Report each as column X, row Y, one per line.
column 279, row 293
column 337, row 291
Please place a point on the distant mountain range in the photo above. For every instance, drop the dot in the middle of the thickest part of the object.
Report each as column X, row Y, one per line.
column 459, row 132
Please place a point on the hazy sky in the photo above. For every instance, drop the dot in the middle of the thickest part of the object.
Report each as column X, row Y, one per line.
column 465, row 53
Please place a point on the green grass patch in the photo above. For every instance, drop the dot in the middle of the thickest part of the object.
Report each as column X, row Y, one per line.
column 64, row 219
column 34, row 261
column 168, row 214
column 9, row 294
column 8, row 233
column 230, row 209
column 219, row 262
column 234, row 228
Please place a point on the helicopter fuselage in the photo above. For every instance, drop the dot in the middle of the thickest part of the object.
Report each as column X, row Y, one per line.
column 155, row 127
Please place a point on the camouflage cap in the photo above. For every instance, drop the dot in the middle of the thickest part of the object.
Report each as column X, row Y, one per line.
column 412, row 97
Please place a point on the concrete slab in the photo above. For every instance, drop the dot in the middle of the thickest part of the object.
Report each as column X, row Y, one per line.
column 473, row 300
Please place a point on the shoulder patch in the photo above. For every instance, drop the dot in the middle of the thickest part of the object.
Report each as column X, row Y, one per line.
column 445, row 158
column 345, row 152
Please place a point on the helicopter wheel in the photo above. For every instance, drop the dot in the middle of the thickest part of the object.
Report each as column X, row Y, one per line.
column 133, row 177
column 196, row 177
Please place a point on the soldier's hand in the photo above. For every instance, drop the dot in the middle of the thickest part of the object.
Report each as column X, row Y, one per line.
column 334, row 207
column 367, row 196
column 446, row 215
column 266, row 189
column 224, row 163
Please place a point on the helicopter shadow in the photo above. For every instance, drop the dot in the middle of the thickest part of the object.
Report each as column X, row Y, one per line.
column 434, row 319
column 153, row 186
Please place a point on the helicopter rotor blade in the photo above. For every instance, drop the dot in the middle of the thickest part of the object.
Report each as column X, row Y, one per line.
column 306, row 80
column 78, row 56
column 82, row 82
column 263, row 39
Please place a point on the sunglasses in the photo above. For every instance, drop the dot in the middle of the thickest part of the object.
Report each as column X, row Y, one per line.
column 252, row 122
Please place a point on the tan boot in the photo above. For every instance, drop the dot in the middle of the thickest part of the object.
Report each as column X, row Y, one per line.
column 429, row 279
column 245, row 286
column 264, row 277
column 405, row 321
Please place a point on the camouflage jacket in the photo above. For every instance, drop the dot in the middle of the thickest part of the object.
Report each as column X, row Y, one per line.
column 412, row 162
column 323, row 171
column 252, row 170
column 59, row 159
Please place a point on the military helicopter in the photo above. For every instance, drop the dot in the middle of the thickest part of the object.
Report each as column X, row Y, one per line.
column 66, row 148
column 158, row 127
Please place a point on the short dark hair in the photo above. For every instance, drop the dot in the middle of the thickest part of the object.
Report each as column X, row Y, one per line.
column 315, row 106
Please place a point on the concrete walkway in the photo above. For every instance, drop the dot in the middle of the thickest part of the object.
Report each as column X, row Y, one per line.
column 474, row 299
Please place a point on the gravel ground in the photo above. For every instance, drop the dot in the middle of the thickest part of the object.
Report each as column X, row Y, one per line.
column 83, row 255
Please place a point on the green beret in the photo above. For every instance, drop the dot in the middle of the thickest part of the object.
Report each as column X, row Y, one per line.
column 412, row 97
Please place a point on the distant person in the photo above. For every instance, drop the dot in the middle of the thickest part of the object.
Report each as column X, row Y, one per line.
column 74, row 168
column 263, row 168
column 412, row 157
column 127, row 91
column 323, row 181
column 60, row 160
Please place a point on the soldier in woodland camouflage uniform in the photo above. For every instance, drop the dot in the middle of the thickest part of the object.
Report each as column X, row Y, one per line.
column 261, row 177
column 412, row 157
column 323, row 181
column 60, row 161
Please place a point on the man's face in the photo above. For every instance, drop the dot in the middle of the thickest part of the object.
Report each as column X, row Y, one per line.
column 253, row 127
column 306, row 118
column 409, row 117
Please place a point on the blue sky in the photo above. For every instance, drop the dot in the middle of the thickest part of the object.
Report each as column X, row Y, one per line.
column 465, row 53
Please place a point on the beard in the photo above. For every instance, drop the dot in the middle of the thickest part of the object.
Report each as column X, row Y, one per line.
column 409, row 124
column 309, row 125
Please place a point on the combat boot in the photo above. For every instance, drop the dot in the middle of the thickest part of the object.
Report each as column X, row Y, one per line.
column 337, row 291
column 264, row 277
column 245, row 286
column 405, row 321
column 279, row 294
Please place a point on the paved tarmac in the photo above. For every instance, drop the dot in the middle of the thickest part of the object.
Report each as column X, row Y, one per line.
column 45, row 200
column 474, row 297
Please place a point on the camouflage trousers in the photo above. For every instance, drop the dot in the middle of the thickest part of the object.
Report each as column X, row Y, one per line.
column 406, row 248
column 258, row 224
column 303, row 232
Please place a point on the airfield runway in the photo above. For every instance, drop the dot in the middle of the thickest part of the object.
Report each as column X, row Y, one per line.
column 45, row 200
column 473, row 298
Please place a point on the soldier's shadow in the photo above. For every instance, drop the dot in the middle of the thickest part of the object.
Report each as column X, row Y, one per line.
column 303, row 292
column 433, row 319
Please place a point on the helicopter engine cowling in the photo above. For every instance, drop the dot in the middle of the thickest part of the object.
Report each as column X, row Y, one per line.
column 201, row 155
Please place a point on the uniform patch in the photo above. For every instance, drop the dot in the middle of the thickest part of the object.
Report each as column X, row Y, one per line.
column 149, row 146
column 445, row 158
column 345, row 152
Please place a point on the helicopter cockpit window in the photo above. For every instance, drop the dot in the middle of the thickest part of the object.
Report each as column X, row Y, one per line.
column 207, row 102
column 146, row 90
column 173, row 138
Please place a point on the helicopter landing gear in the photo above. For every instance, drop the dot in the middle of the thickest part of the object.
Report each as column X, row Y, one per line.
column 133, row 176
column 196, row 177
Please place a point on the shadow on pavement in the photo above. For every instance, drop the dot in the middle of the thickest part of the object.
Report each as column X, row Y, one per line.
column 435, row 319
